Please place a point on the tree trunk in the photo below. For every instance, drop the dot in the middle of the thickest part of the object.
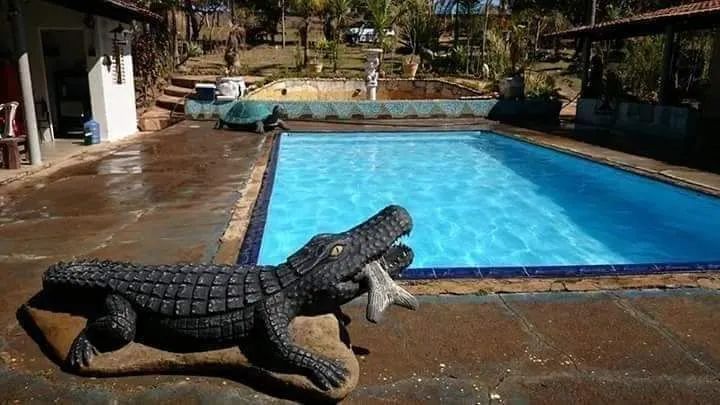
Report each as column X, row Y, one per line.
column 468, row 45
column 188, row 18
column 485, row 28
column 282, row 21
column 537, row 39
column 304, row 31
column 173, row 36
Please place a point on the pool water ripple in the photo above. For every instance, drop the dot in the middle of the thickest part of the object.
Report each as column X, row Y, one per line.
column 480, row 199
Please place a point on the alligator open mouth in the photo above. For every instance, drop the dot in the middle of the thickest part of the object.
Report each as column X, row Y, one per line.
column 397, row 256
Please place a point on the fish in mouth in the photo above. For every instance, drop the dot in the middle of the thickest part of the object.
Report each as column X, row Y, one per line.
column 383, row 290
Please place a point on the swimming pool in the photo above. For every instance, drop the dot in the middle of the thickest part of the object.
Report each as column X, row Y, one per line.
column 483, row 204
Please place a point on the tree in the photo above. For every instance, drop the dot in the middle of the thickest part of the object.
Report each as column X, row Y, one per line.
column 307, row 9
column 420, row 26
column 383, row 15
column 340, row 10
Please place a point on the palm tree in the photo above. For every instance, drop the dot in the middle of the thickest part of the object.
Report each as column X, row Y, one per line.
column 341, row 11
column 307, row 9
column 383, row 15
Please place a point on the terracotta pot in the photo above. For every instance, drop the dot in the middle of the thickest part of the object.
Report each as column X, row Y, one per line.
column 315, row 67
column 410, row 69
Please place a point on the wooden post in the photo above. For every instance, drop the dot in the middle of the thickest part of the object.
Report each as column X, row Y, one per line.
column 587, row 48
column 666, row 77
column 18, row 31
column 584, row 77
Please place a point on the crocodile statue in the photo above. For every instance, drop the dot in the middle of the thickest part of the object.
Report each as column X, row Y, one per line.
column 220, row 305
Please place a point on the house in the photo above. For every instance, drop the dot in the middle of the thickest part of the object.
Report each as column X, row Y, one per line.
column 67, row 61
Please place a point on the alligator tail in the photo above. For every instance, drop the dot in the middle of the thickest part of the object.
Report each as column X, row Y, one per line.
column 85, row 274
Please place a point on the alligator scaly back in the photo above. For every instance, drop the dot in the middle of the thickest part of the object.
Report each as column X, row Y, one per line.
column 174, row 290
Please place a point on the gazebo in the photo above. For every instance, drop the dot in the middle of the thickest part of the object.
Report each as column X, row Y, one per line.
column 674, row 121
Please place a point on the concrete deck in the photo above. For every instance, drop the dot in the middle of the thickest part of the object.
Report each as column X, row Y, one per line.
column 170, row 196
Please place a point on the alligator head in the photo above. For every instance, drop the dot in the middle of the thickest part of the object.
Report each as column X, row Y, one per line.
column 332, row 264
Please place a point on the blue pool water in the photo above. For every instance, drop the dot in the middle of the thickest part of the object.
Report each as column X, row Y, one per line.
column 480, row 199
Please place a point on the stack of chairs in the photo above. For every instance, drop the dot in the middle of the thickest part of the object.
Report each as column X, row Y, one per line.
column 11, row 142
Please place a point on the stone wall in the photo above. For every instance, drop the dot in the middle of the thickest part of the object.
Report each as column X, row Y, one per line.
column 671, row 122
column 354, row 89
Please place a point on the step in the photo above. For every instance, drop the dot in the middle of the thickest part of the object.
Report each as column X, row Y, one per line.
column 177, row 91
column 172, row 103
column 189, row 81
column 155, row 119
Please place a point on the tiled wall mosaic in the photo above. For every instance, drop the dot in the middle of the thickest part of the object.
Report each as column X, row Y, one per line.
column 365, row 109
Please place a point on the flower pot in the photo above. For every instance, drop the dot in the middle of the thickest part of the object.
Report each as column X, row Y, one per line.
column 410, row 69
column 315, row 67
column 512, row 87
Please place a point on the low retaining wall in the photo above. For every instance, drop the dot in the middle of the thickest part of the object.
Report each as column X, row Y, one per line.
column 501, row 110
column 354, row 90
column 322, row 110
column 661, row 121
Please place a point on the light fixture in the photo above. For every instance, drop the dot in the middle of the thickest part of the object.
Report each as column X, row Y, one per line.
column 120, row 35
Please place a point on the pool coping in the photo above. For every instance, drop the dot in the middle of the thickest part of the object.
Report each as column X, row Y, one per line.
column 251, row 243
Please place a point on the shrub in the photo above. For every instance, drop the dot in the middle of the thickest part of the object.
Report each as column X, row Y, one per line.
column 194, row 49
column 540, row 86
column 641, row 69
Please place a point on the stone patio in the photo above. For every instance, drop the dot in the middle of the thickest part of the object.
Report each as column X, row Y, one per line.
column 170, row 196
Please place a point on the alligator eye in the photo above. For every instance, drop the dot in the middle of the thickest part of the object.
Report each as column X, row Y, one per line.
column 336, row 250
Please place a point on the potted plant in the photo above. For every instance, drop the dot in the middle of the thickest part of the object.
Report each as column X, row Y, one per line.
column 410, row 66
column 315, row 65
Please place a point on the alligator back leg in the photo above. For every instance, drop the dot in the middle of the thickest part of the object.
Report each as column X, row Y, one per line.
column 113, row 330
column 325, row 373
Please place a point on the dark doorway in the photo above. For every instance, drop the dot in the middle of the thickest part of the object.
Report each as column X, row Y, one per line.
column 67, row 80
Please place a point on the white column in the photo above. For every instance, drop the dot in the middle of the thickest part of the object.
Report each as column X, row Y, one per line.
column 18, row 28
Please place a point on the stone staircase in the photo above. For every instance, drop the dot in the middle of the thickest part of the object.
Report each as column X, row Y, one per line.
column 169, row 108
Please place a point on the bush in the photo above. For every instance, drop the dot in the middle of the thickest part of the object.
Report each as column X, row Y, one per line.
column 498, row 56
column 540, row 86
column 641, row 70
column 194, row 49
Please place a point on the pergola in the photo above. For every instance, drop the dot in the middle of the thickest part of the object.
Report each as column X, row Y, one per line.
column 666, row 21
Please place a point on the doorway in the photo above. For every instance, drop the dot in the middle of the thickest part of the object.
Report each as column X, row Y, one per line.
column 66, row 76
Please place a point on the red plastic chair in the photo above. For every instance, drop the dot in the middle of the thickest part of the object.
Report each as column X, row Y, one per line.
column 10, row 139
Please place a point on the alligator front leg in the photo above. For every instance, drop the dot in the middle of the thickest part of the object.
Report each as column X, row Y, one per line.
column 110, row 332
column 325, row 373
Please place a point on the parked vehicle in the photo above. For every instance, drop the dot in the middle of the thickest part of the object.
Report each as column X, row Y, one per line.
column 363, row 33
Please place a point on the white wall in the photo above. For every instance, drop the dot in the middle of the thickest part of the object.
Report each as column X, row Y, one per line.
column 113, row 105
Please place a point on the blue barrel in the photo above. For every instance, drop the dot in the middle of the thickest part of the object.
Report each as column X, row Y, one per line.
column 92, row 132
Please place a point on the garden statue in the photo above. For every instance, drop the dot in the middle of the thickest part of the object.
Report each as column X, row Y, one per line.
column 197, row 306
column 372, row 63
column 235, row 42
